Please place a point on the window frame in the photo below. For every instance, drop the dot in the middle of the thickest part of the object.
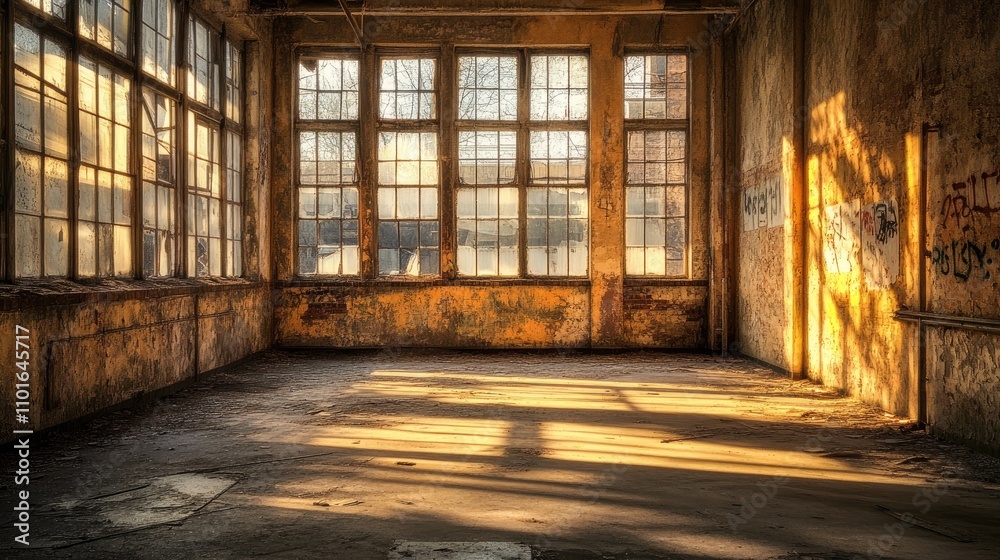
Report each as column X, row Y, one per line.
column 68, row 32
column 521, row 162
column 656, row 125
column 395, row 125
column 362, row 177
column 523, row 126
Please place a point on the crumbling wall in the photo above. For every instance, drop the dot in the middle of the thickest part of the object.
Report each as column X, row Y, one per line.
column 765, row 72
column 877, row 74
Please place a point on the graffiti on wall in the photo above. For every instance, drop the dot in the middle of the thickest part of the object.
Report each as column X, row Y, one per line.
column 880, row 244
column 842, row 236
column 967, row 246
column 967, row 260
column 972, row 201
column 764, row 204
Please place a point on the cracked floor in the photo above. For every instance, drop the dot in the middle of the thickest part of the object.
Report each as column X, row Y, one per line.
column 580, row 456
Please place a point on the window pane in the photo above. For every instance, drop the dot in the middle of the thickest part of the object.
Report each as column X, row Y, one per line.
column 159, row 29
column 234, row 208
column 327, row 158
column 204, row 197
column 558, row 157
column 328, row 89
column 406, row 89
column 234, row 83
column 104, row 246
column 558, row 238
column 106, row 22
column 656, row 87
column 487, row 88
column 488, row 242
column 203, row 64
column 56, row 8
column 159, row 184
column 656, row 204
column 487, row 158
column 559, row 87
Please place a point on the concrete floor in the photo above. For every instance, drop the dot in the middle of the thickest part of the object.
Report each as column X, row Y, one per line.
column 580, row 456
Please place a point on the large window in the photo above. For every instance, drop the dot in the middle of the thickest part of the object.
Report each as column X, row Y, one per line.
column 489, row 183
column 408, row 175
column 522, row 165
column 558, row 236
column 517, row 161
column 214, row 153
column 656, row 192
column 104, row 213
column 99, row 189
column 41, row 152
column 328, row 233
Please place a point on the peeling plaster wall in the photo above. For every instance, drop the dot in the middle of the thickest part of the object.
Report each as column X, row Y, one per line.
column 875, row 74
column 605, row 310
column 765, row 73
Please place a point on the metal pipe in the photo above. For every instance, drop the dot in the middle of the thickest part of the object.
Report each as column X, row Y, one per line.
column 493, row 12
column 922, row 278
column 943, row 320
column 358, row 32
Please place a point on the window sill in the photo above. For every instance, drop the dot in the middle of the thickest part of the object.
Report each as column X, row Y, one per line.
column 334, row 282
column 33, row 293
column 666, row 282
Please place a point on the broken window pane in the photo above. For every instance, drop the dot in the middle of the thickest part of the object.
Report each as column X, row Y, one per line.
column 106, row 22
column 656, row 87
column 203, row 64
column 328, row 89
column 328, row 231
column 558, row 157
column 159, row 184
column 204, row 197
column 104, row 249
column 487, row 88
column 159, row 29
column 55, row 8
column 558, row 235
column 559, row 87
column 406, row 89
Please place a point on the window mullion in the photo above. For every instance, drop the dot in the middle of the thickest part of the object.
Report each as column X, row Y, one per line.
column 222, row 47
column 8, row 167
column 447, row 87
column 367, row 159
column 523, row 165
column 135, row 132
column 181, row 122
